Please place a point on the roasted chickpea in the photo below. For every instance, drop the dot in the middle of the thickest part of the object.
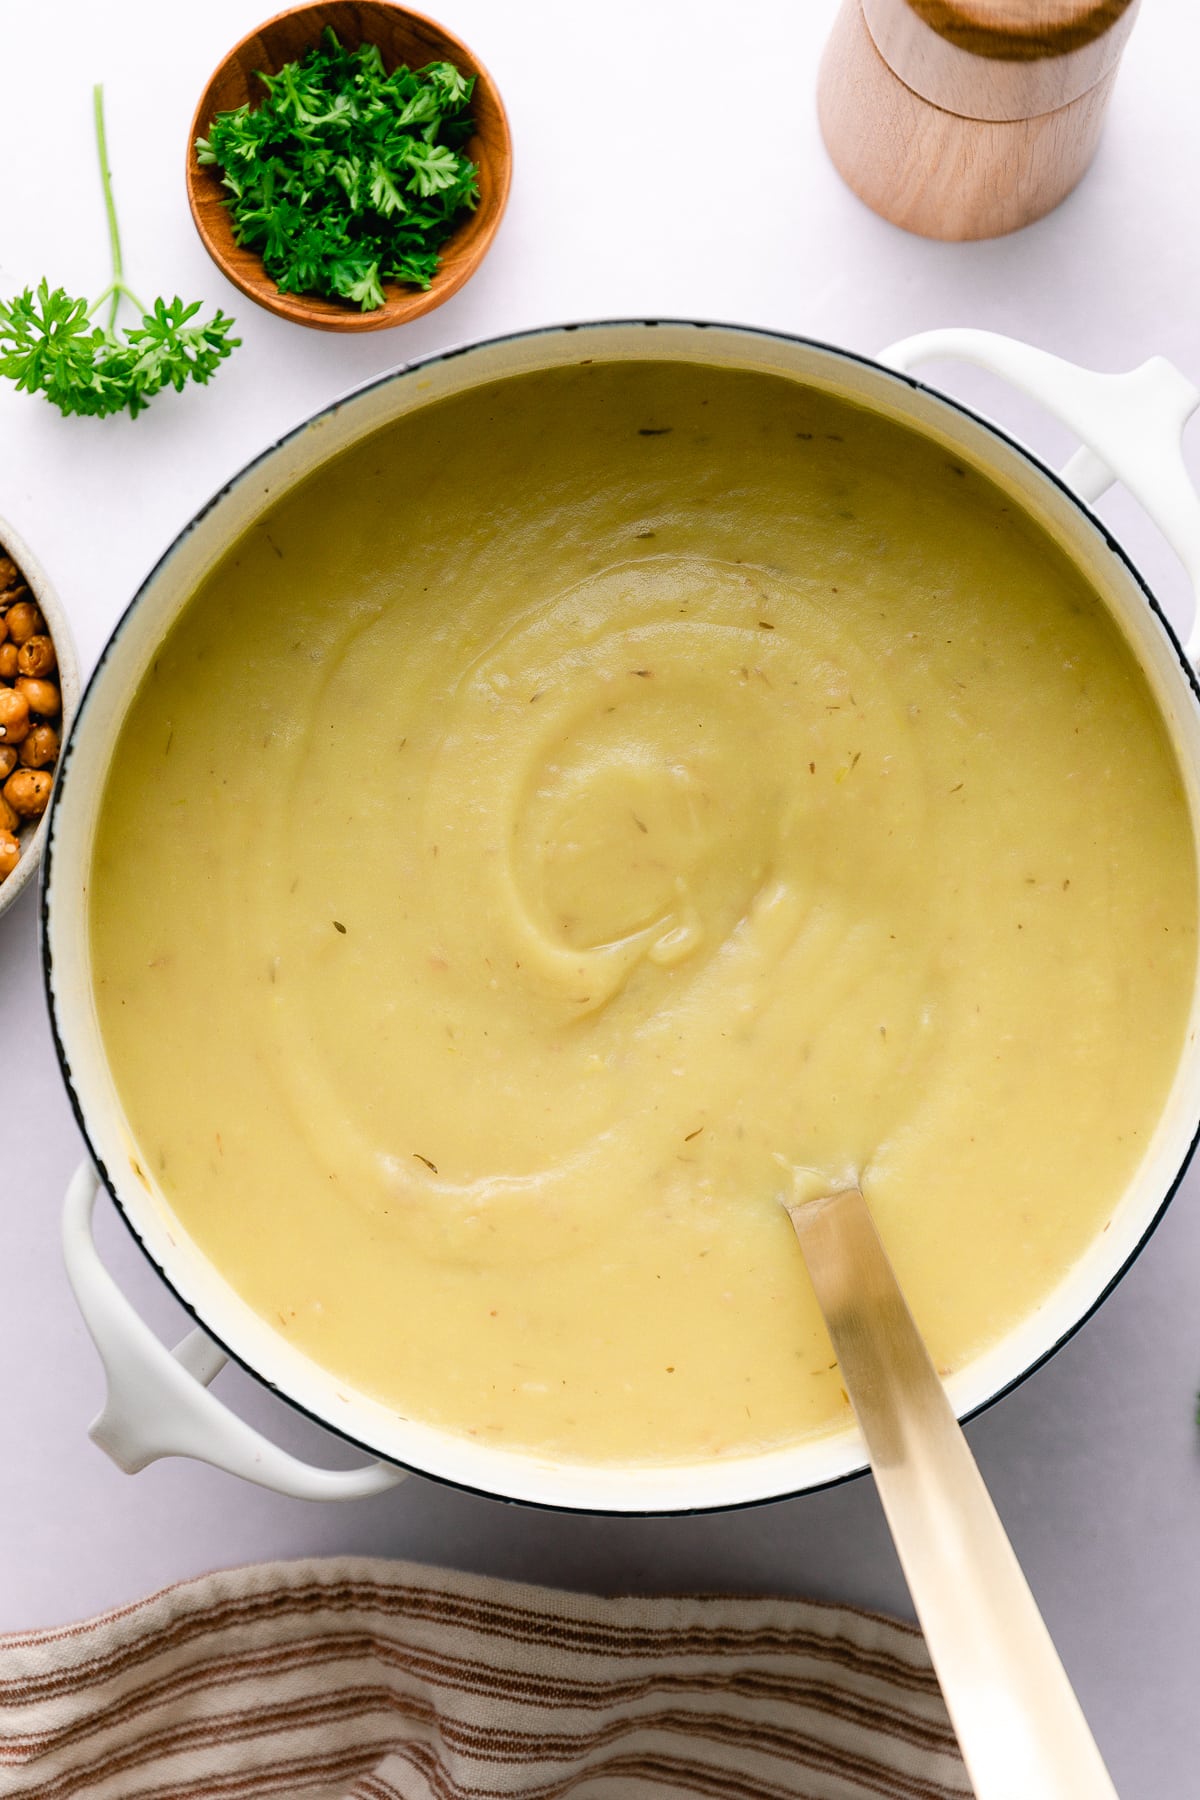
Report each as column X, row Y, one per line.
column 8, row 662
column 24, row 618
column 8, row 760
column 8, row 818
column 24, row 621
column 36, row 657
column 3, row 627
column 10, row 575
column 14, row 716
column 40, row 748
column 28, row 792
column 10, row 853
column 40, row 696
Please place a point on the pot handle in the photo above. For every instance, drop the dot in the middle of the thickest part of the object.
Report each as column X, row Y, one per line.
column 1131, row 427
column 158, row 1403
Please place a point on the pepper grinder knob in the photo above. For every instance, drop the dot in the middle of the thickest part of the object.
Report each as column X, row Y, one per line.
column 968, row 118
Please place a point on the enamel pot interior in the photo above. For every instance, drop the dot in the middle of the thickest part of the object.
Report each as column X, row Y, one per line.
column 200, row 1285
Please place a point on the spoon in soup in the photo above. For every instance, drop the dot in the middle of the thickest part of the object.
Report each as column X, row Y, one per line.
column 1019, row 1725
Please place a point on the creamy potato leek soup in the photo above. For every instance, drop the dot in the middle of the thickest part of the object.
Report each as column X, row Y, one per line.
column 580, row 804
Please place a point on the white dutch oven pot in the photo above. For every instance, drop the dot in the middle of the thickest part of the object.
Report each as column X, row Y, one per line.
column 159, row 1403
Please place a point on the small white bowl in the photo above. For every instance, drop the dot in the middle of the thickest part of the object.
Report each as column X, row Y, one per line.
column 14, row 545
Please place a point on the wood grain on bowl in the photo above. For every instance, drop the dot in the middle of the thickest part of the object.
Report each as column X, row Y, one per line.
column 402, row 37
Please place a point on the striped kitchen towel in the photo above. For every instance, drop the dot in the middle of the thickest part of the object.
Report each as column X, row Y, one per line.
column 355, row 1679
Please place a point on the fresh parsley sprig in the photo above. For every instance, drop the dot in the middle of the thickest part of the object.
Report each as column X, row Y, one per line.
column 51, row 345
column 346, row 177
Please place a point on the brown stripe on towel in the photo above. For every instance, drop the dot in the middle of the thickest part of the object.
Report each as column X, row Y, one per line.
column 474, row 1678
column 456, row 1611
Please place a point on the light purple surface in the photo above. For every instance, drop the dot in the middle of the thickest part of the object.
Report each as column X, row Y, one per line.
column 656, row 173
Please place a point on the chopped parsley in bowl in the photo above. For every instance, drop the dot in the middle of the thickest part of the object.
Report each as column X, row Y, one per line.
column 349, row 175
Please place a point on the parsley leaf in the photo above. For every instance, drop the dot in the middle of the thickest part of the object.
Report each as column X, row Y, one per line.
column 345, row 176
column 49, row 344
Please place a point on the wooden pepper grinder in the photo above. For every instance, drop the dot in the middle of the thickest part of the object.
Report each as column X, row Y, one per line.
column 968, row 118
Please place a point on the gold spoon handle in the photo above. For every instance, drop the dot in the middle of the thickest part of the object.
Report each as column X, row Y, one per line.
column 1021, row 1730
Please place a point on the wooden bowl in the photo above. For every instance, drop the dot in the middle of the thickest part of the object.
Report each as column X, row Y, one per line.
column 402, row 37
